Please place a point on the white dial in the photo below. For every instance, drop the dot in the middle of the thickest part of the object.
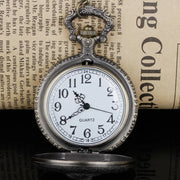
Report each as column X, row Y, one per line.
column 86, row 106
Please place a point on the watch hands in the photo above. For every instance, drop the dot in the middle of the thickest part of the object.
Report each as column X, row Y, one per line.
column 79, row 98
column 80, row 110
column 101, row 110
column 84, row 107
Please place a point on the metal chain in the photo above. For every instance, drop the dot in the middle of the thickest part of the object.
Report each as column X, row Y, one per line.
column 81, row 4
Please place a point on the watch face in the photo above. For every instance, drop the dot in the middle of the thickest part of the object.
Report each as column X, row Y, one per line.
column 86, row 106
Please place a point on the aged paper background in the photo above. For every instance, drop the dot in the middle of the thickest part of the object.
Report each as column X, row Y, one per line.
column 145, row 43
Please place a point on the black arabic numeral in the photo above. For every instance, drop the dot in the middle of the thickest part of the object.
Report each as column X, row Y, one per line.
column 57, row 106
column 111, row 120
column 72, row 83
column 74, row 129
column 87, row 133
column 115, row 106
column 63, row 120
column 110, row 91
column 101, row 129
column 85, row 79
column 63, row 93
column 100, row 82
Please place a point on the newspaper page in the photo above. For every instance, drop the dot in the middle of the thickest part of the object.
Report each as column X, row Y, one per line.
column 145, row 43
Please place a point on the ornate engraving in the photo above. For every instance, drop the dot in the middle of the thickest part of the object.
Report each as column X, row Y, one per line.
column 90, row 11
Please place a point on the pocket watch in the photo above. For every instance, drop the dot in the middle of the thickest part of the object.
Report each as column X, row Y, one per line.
column 86, row 104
